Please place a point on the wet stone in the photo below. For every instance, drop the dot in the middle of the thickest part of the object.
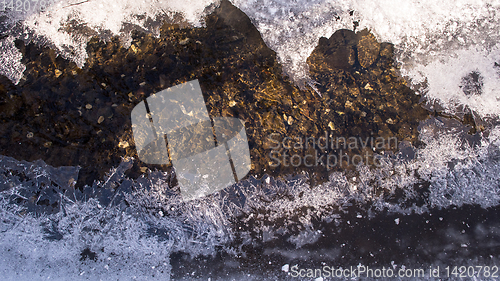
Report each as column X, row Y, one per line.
column 368, row 48
column 337, row 52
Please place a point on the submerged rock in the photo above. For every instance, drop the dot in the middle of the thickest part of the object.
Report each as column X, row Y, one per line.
column 368, row 48
column 339, row 51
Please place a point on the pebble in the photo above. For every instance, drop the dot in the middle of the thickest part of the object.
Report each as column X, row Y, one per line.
column 123, row 144
column 184, row 41
column 331, row 125
column 101, row 118
column 88, row 106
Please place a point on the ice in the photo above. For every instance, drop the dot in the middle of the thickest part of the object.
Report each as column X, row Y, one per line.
column 90, row 238
column 285, row 267
column 292, row 28
column 21, row 181
column 122, row 227
column 437, row 43
column 104, row 15
column 117, row 249
column 448, row 80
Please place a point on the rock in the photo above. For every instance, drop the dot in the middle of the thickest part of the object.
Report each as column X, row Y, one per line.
column 336, row 52
column 331, row 126
column 368, row 48
column 390, row 121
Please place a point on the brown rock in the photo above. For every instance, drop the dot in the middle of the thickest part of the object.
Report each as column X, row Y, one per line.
column 337, row 51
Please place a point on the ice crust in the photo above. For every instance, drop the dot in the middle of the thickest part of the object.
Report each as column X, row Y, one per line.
column 98, row 234
column 10, row 60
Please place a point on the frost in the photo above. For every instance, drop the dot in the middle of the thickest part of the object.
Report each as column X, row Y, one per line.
column 285, row 267
column 10, row 60
column 121, row 227
column 109, row 231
